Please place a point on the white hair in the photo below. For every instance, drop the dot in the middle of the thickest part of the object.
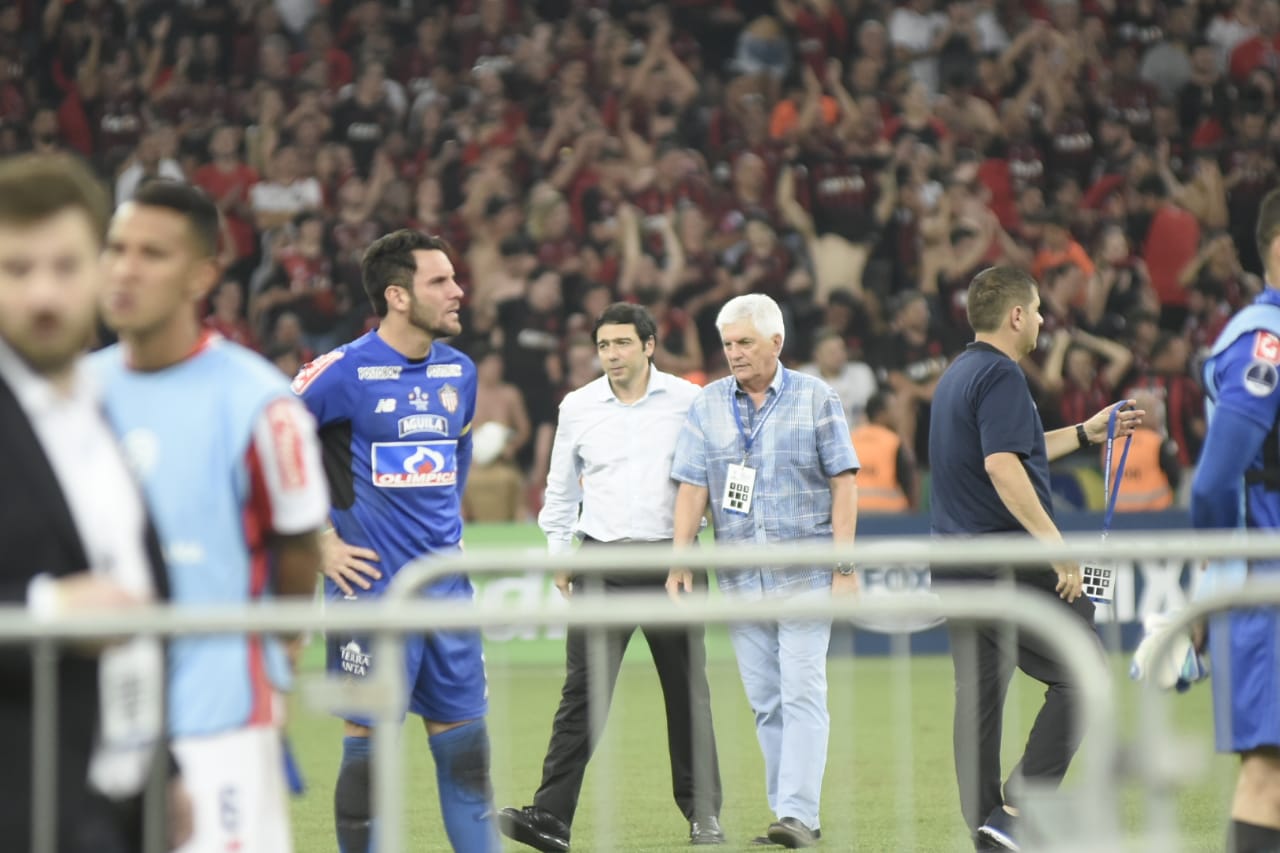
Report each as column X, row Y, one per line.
column 754, row 308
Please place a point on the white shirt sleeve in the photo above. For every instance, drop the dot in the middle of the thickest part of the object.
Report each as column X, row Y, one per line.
column 559, row 515
column 287, row 478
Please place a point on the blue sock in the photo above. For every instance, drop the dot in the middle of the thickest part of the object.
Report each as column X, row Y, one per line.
column 466, row 798
column 352, row 807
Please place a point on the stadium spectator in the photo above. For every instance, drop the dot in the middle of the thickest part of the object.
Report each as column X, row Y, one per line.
column 1083, row 373
column 147, row 162
column 227, row 314
column 393, row 517
column 599, row 496
column 76, row 534
column 216, row 414
column 853, row 381
column 719, row 462
column 1168, row 377
column 909, row 359
column 495, row 488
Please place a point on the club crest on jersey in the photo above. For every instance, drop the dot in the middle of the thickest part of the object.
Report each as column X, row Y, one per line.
column 419, row 400
column 444, row 371
column 415, row 424
column 449, row 398
column 414, row 464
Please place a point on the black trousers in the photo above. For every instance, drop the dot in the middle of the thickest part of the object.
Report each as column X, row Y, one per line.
column 985, row 656
column 679, row 655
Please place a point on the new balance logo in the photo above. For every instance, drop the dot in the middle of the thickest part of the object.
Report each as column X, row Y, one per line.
column 386, row 406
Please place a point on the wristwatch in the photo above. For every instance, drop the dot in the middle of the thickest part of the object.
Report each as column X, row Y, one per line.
column 844, row 568
column 1082, row 436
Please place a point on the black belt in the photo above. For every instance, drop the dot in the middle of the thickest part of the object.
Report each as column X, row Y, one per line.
column 587, row 540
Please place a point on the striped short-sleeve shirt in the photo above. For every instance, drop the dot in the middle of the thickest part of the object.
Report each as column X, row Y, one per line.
column 801, row 440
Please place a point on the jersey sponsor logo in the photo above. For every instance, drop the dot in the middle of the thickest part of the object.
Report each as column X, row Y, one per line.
column 449, row 398
column 1266, row 347
column 355, row 660
column 287, row 445
column 385, row 406
column 419, row 399
column 415, row 424
column 1260, row 378
column 444, row 371
column 415, row 464
column 372, row 374
column 312, row 369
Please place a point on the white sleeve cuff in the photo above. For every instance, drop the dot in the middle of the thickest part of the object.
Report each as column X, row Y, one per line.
column 43, row 599
column 556, row 547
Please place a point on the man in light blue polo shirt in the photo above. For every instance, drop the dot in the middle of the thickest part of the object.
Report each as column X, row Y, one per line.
column 769, row 449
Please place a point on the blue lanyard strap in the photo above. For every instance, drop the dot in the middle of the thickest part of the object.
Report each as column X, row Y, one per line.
column 748, row 438
column 1111, row 485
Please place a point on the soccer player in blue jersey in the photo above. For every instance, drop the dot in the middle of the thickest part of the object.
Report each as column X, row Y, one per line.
column 395, row 409
column 1238, row 485
column 230, row 466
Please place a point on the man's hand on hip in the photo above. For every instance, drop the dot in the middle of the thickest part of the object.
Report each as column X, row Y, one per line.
column 348, row 564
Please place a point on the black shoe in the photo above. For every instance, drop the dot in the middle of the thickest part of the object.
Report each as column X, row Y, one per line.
column 538, row 828
column 791, row 833
column 705, row 830
column 1000, row 830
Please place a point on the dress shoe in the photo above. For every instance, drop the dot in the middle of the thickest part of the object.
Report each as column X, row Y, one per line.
column 705, row 830
column 791, row 833
column 535, row 827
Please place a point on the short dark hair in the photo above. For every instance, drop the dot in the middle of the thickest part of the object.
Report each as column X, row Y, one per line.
column 993, row 292
column 626, row 314
column 389, row 261
column 1268, row 227
column 191, row 203
column 876, row 404
column 34, row 187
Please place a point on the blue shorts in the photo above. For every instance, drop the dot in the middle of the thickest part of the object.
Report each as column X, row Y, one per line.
column 444, row 673
column 1244, row 648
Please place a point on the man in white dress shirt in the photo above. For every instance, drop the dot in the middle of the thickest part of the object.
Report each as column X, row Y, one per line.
column 612, row 456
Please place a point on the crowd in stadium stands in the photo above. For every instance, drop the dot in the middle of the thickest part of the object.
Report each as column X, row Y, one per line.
column 858, row 160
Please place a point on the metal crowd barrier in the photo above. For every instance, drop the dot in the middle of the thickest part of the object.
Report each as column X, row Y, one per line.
column 400, row 613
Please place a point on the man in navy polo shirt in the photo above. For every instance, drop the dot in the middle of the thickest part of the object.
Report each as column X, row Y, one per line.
column 990, row 457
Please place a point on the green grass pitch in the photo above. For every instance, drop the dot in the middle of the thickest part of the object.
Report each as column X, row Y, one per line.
column 889, row 783
column 888, row 787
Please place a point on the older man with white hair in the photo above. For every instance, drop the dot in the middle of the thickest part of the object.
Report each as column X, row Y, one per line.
column 769, row 449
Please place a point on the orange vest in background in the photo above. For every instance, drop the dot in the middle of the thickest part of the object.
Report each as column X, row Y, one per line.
column 1145, row 487
column 878, row 486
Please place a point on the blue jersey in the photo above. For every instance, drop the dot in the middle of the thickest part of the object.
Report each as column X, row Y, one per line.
column 227, row 458
column 1238, row 485
column 1242, row 377
column 396, row 437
